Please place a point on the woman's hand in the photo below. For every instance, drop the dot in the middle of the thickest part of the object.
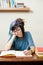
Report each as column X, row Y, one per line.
column 14, row 33
column 31, row 51
column 27, row 52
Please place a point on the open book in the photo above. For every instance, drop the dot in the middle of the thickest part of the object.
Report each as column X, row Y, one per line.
column 13, row 53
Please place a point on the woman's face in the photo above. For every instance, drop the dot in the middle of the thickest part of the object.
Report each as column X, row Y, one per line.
column 18, row 32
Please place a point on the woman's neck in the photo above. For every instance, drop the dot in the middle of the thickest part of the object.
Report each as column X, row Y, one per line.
column 20, row 35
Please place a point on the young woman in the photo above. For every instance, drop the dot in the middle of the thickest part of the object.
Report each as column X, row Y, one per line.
column 19, row 39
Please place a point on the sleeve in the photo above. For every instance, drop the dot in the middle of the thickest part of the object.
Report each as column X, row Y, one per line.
column 30, row 40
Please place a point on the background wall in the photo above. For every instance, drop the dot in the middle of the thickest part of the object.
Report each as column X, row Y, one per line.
column 33, row 22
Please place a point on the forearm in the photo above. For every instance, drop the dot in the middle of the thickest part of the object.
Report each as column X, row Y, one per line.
column 9, row 44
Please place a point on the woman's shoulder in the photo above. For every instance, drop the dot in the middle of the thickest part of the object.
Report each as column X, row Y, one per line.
column 27, row 33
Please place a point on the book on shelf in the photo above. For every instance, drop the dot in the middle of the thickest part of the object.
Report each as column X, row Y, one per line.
column 14, row 53
column 19, row 5
column 7, row 3
column 39, row 51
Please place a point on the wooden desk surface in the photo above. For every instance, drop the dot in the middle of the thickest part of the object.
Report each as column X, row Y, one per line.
column 21, row 59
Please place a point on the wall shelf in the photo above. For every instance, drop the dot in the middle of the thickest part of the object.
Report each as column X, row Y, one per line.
column 25, row 9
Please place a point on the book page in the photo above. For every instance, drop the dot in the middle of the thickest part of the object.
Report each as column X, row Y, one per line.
column 3, row 53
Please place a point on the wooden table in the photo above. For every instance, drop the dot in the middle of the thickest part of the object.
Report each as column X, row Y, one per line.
column 20, row 60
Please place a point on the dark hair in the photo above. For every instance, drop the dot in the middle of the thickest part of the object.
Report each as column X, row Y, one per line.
column 17, row 23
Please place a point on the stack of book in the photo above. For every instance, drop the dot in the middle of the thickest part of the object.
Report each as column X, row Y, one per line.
column 39, row 51
column 19, row 5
